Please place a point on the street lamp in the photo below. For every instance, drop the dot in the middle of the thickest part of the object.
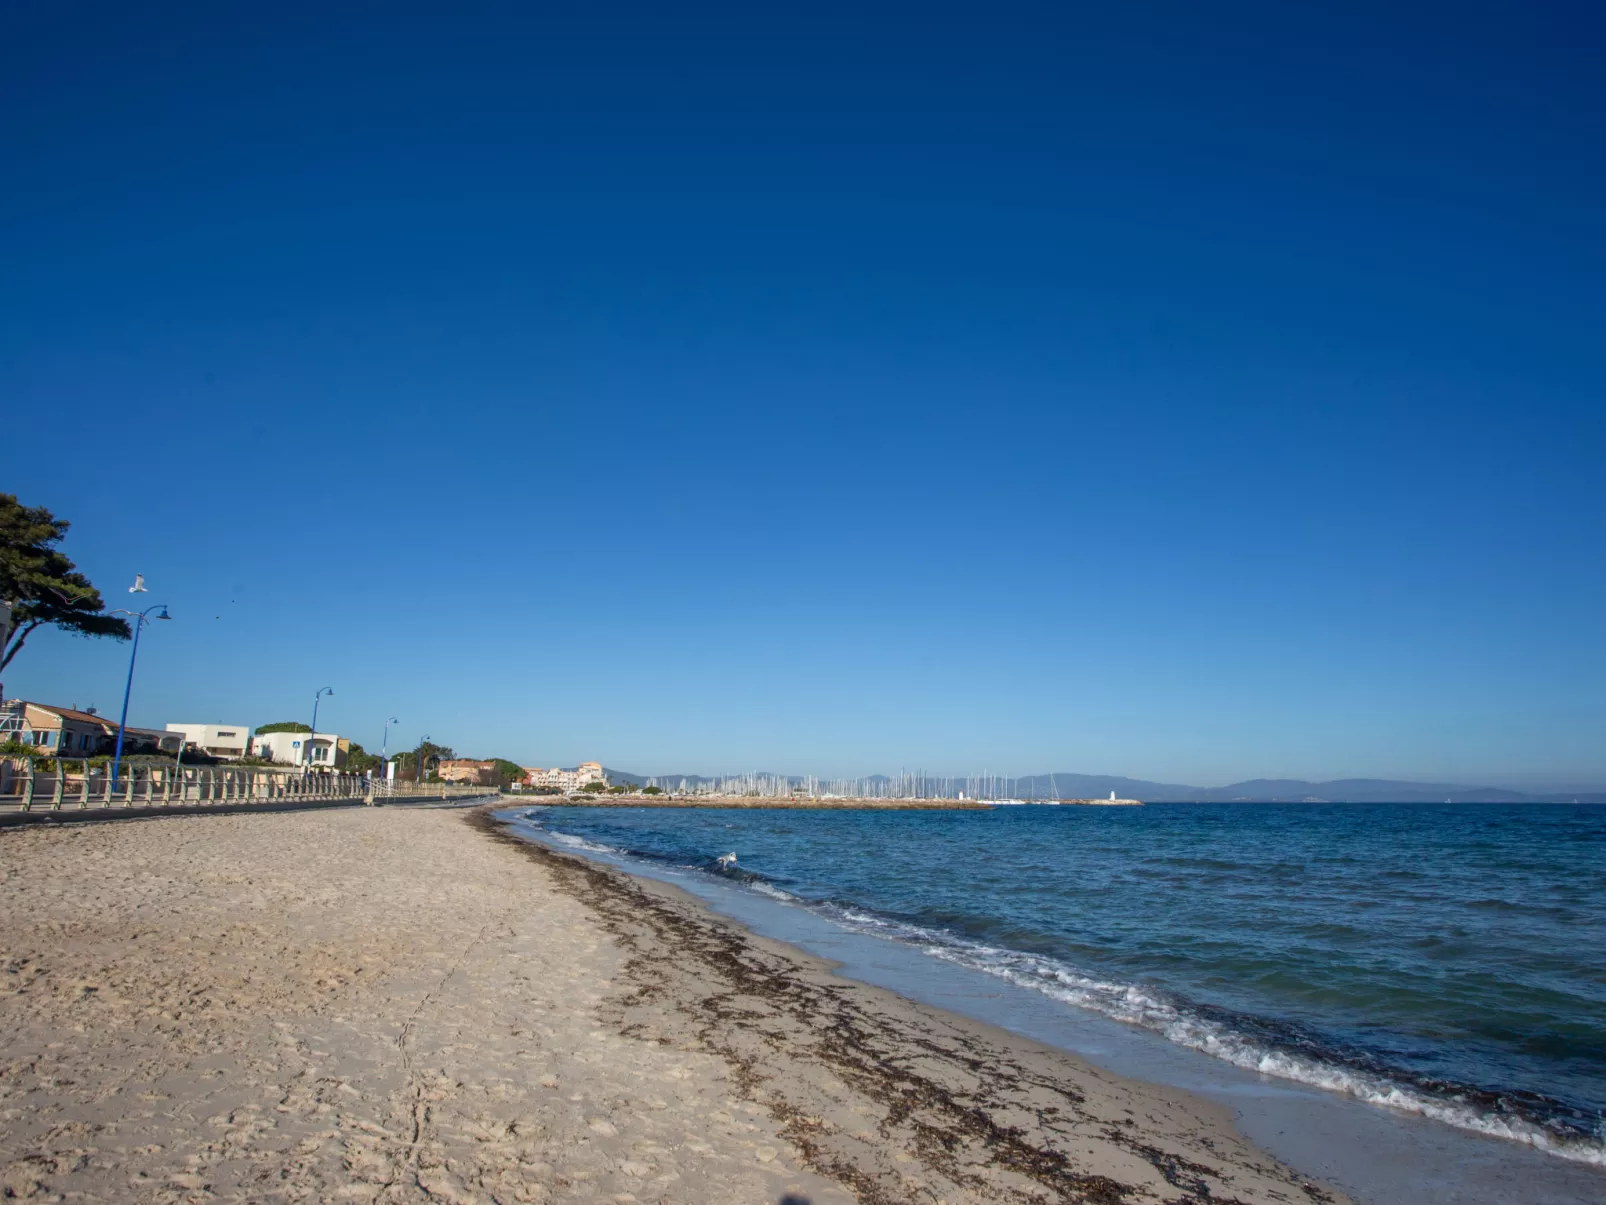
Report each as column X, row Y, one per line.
column 140, row 618
column 313, row 735
column 384, row 743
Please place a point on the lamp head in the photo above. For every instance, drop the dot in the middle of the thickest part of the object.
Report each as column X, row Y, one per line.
column 164, row 614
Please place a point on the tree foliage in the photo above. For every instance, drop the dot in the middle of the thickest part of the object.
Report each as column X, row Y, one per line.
column 507, row 771
column 595, row 787
column 282, row 726
column 43, row 586
column 652, row 791
column 433, row 754
column 360, row 761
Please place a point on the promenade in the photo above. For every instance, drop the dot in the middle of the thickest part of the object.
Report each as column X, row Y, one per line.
column 28, row 795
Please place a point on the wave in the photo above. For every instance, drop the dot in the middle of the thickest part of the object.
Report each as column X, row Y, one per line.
column 573, row 842
column 735, row 873
column 1464, row 1107
column 1253, row 1043
column 763, row 888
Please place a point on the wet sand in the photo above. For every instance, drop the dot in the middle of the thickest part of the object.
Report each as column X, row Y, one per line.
column 407, row 1005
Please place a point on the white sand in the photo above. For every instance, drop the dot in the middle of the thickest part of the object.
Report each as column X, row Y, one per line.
column 392, row 1005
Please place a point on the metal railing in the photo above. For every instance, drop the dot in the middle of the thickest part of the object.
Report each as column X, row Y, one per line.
column 383, row 789
column 25, row 788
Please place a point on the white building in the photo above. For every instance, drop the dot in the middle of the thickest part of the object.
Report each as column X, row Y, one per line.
column 568, row 780
column 220, row 740
column 290, row 748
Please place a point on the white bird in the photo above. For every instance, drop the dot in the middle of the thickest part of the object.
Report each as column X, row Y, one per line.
column 139, row 584
column 726, row 859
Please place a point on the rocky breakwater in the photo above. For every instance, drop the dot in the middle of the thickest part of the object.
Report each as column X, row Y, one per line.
column 744, row 801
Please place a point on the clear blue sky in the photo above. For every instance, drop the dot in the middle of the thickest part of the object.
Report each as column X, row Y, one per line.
column 1185, row 391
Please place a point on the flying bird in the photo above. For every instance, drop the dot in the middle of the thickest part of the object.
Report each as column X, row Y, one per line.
column 139, row 584
column 726, row 860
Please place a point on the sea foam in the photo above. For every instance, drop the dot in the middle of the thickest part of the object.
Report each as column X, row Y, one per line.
column 1135, row 1005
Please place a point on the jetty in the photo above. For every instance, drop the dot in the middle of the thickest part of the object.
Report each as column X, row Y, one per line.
column 865, row 804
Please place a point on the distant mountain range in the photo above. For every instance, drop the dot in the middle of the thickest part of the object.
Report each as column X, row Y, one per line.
column 1294, row 790
column 1257, row 790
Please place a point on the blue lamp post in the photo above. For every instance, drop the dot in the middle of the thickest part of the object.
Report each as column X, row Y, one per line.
column 418, row 770
column 384, row 741
column 313, row 735
column 140, row 618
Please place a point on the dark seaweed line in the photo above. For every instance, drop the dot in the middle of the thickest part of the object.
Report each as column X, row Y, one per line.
column 1565, row 1121
column 846, row 1039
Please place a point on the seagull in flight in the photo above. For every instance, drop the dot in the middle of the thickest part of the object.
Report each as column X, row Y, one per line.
column 139, row 584
column 725, row 860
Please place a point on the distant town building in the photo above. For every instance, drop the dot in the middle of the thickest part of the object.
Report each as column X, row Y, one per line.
column 567, row 780
column 68, row 732
column 329, row 752
column 466, row 769
column 227, row 741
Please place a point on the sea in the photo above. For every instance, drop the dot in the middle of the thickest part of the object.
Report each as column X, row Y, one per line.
column 1441, row 962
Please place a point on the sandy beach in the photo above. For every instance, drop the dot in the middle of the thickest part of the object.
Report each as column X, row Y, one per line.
column 405, row 1004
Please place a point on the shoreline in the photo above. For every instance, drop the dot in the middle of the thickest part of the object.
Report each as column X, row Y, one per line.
column 985, row 1109
column 1374, row 1153
column 403, row 1005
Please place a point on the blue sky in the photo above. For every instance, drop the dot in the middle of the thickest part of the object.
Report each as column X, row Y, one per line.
column 1179, row 393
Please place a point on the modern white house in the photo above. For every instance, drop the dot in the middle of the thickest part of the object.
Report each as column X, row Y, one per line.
column 290, row 748
column 227, row 741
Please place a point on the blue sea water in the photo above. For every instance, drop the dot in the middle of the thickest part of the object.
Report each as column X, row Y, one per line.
column 1445, row 960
